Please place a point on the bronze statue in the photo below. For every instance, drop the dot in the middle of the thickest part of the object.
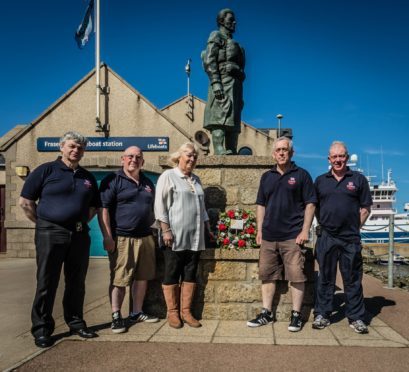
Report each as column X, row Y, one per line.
column 223, row 61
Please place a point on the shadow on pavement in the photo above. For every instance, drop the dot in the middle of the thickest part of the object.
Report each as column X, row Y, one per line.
column 373, row 306
column 98, row 327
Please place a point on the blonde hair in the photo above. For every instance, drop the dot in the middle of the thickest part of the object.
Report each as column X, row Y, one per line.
column 174, row 158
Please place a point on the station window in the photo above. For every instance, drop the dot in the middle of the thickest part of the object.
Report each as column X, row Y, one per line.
column 245, row 151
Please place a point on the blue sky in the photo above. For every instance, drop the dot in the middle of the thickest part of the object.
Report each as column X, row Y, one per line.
column 336, row 70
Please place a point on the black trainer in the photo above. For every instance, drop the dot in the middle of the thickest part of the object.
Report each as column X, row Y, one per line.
column 142, row 317
column 118, row 324
column 295, row 322
column 264, row 318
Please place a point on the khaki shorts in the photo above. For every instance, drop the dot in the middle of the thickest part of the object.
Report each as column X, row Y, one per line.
column 133, row 259
column 279, row 257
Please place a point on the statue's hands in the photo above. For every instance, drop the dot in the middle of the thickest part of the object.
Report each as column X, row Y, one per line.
column 218, row 91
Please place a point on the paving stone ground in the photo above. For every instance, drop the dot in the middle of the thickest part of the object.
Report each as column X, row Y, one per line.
column 387, row 342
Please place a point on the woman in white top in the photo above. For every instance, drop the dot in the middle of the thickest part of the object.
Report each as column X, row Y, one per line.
column 180, row 211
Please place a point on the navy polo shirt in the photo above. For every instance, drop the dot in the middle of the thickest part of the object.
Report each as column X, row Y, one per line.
column 130, row 204
column 65, row 195
column 284, row 198
column 339, row 203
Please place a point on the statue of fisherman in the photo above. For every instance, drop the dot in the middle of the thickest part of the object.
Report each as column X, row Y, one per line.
column 223, row 61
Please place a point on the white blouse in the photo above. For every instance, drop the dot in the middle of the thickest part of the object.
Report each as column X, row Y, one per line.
column 179, row 202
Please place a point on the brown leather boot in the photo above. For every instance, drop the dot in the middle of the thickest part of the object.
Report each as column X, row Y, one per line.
column 187, row 292
column 172, row 295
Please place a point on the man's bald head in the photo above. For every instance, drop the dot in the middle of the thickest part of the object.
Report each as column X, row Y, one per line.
column 131, row 150
column 132, row 160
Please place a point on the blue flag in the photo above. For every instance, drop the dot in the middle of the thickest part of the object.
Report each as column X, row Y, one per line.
column 85, row 28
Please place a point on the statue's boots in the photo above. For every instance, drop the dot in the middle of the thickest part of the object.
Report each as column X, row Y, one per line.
column 231, row 140
column 187, row 292
column 172, row 298
column 218, row 142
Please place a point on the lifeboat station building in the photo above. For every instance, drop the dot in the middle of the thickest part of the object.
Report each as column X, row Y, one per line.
column 127, row 118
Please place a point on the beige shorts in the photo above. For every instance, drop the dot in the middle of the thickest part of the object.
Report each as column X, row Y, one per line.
column 279, row 257
column 133, row 259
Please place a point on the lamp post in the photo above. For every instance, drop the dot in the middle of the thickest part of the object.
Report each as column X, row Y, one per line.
column 187, row 70
column 279, row 117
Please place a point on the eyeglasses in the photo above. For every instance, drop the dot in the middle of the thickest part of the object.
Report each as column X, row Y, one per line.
column 283, row 149
column 136, row 157
column 335, row 157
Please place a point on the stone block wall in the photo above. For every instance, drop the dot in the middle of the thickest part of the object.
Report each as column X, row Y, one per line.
column 228, row 287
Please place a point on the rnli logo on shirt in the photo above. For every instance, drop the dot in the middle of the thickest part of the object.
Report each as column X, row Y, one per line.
column 148, row 189
column 88, row 184
column 291, row 181
column 351, row 186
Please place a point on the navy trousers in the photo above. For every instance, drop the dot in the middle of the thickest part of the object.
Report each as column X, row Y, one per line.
column 329, row 252
column 56, row 246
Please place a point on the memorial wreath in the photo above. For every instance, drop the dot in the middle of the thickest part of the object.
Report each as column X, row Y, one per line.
column 236, row 229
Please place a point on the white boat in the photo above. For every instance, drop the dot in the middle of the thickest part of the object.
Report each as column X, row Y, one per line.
column 376, row 228
column 397, row 260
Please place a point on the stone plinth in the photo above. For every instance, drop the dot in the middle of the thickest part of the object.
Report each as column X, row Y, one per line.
column 228, row 285
column 229, row 289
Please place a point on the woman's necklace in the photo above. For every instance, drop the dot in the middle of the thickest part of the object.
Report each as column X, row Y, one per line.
column 189, row 180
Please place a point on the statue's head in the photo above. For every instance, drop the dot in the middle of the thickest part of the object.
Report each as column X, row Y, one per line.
column 227, row 19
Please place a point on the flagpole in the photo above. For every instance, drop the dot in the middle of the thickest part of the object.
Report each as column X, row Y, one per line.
column 97, row 66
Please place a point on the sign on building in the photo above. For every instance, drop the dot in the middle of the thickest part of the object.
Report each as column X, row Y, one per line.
column 48, row 144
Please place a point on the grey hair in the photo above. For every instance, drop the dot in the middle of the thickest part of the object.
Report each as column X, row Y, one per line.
column 339, row 143
column 222, row 15
column 174, row 158
column 74, row 136
column 283, row 138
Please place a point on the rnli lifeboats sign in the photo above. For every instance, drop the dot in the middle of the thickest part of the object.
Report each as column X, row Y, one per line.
column 48, row 144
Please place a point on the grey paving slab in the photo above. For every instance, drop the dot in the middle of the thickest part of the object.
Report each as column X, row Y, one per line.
column 370, row 343
column 184, row 339
column 147, row 328
column 281, row 332
column 307, row 341
column 235, row 328
column 345, row 332
column 307, row 336
column 134, row 337
column 243, row 340
column 207, row 330
column 389, row 334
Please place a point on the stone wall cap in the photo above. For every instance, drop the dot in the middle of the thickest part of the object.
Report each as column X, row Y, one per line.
column 228, row 161
column 230, row 254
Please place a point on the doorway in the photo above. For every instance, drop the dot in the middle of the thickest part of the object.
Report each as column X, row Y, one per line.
column 97, row 248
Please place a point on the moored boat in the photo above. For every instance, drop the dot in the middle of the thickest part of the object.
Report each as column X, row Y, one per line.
column 376, row 228
column 397, row 260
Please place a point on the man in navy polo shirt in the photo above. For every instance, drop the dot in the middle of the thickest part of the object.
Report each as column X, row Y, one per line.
column 68, row 198
column 285, row 209
column 125, row 219
column 344, row 202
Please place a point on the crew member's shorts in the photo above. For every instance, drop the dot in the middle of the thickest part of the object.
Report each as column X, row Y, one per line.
column 133, row 259
column 279, row 257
